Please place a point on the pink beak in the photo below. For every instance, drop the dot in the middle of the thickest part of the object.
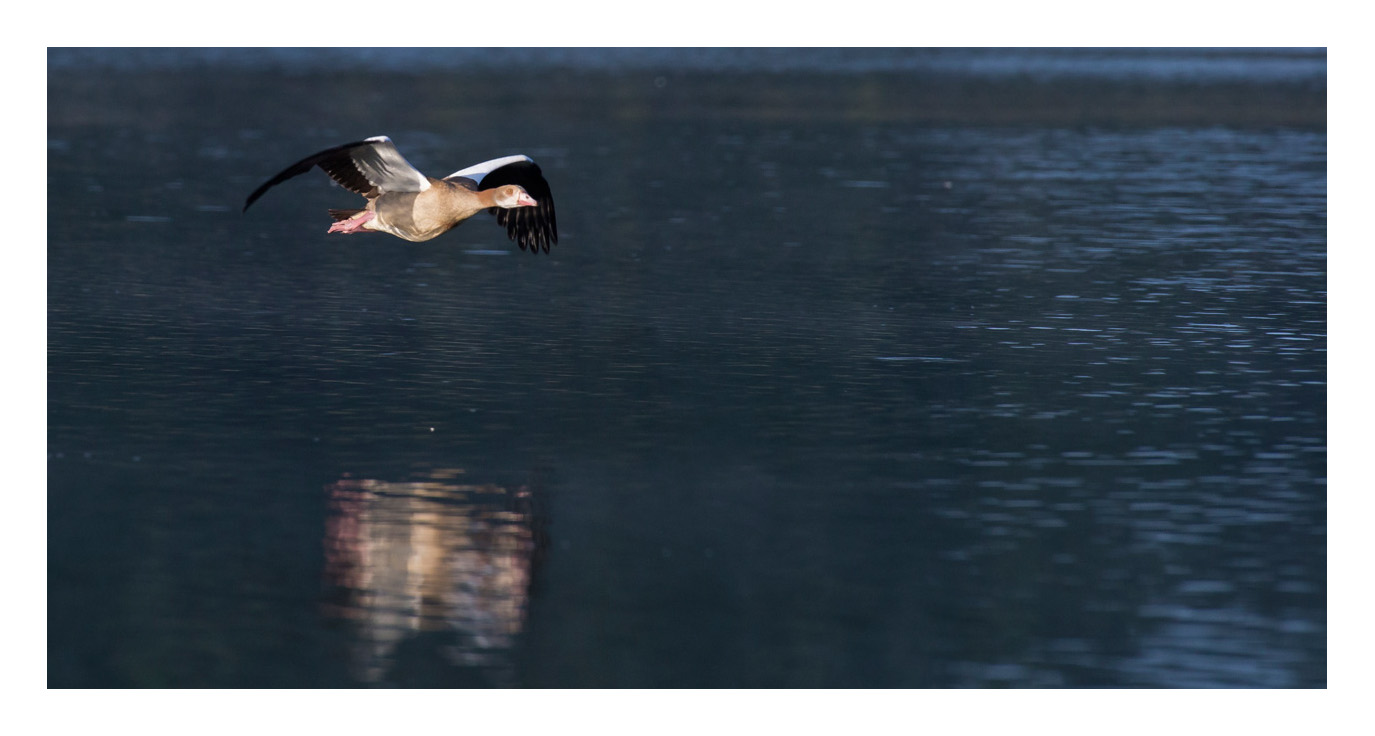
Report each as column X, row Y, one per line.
column 525, row 200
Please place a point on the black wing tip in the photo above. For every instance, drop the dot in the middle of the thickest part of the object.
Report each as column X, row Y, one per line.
column 533, row 230
column 251, row 199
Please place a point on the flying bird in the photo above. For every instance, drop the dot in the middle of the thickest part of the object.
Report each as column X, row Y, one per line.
column 406, row 203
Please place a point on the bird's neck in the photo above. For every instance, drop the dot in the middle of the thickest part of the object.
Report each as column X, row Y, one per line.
column 487, row 198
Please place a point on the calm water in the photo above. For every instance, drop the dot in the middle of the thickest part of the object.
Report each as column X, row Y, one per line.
column 844, row 373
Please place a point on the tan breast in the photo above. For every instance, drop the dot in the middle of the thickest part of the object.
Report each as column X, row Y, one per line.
column 420, row 216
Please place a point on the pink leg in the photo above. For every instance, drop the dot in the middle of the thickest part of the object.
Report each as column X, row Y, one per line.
column 353, row 224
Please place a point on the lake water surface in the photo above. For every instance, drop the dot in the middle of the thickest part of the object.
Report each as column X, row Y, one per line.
column 847, row 371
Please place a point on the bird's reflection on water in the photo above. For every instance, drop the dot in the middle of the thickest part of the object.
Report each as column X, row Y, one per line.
column 434, row 561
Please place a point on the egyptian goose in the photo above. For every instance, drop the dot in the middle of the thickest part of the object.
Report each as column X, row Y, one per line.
column 406, row 203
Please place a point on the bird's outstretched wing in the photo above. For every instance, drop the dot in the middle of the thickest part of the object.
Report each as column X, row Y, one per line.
column 533, row 228
column 368, row 167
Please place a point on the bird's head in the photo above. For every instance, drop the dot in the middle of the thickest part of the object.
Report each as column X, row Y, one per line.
column 513, row 195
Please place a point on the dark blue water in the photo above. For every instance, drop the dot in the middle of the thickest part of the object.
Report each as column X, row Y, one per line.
column 860, row 369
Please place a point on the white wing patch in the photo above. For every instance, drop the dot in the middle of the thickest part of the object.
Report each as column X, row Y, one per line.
column 386, row 168
column 477, row 171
